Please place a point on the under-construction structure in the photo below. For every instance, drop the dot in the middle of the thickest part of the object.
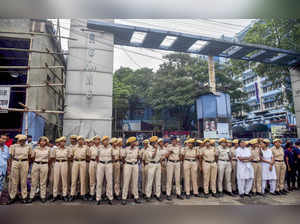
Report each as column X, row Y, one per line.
column 32, row 78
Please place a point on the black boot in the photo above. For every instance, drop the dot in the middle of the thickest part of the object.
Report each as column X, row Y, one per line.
column 158, row 198
column 29, row 200
column 179, row 196
column 206, row 195
column 137, row 201
column 124, row 202
column 43, row 200
column 169, row 198
column 11, row 201
column 71, row 198
column 53, row 199
column 187, row 196
column 98, row 202
column 214, row 195
column 91, row 198
column 110, row 202
column 65, row 198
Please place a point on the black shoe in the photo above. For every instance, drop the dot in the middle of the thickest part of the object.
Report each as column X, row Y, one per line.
column 187, row 196
column 197, row 195
column 259, row 194
column 248, row 195
column 180, row 197
column 85, row 198
column 254, row 194
column 148, row 199
column 11, row 201
column 124, row 202
column 110, row 202
column 24, row 201
column 43, row 200
column 169, row 198
column 118, row 197
column 221, row 194
column 235, row 192
column 273, row 193
column 91, row 198
column 65, row 199
column 214, row 195
column 137, row 201
column 242, row 196
column 99, row 202
column 71, row 198
column 158, row 198
column 206, row 195
column 277, row 193
column 231, row 194
column 53, row 199
column 29, row 200
column 283, row 192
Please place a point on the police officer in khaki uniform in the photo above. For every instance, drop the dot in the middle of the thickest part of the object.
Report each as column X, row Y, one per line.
column 71, row 147
column 145, row 163
column 130, row 157
column 224, row 167
column 105, row 168
column 233, row 163
column 163, row 152
column 116, row 168
column 39, row 173
column 173, row 168
column 190, row 168
column 209, row 167
column 255, row 153
column 154, row 169
column 79, row 155
column 280, row 166
column 19, row 153
column 60, row 156
column 200, row 173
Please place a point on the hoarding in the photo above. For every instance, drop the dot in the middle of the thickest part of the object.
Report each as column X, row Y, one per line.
column 4, row 98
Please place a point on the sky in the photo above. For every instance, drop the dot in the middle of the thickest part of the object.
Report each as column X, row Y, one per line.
column 131, row 57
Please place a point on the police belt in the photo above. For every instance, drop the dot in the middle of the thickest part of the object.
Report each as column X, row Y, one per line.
column 153, row 162
column 20, row 160
column 173, row 161
column 79, row 160
column 191, row 160
column 93, row 160
column 105, row 162
column 255, row 161
column 278, row 161
column 224, row 160
column 61, row 160
column 40, row 163
column 131, row 163
column 207, row 161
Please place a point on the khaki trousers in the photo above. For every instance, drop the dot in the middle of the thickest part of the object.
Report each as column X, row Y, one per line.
column 224, row 170
column 154, row 174
column 280, row 174
column 39, row 175
column 70, row 165
column 130, row 173
column 87, row 177
column 78, row 169
column 50, row 178
column 257, row 178
column 92, row 176
column 209, row 176
column 190, row 169
column 19, row 171
column 173, row 168
column 107, row 171
column 164, row 176
column 233, row 176
column 60, row 172
column 144, row 177
column 117, row 179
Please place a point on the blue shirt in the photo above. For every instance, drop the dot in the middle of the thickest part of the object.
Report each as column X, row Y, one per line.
column 4, row 156
column 291, row 156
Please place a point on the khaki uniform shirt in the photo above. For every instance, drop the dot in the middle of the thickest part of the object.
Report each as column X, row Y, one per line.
column 105, row 154
column 278, row 153
column 190, row 153
column 41, row 154
column 149, row 154
column 79, row 152
column 18, row 152
column 255, row 153
column 223, row 153
column 209, row 154
column 232, row 150
column 175, row 152
column 162, row 152
column 144, row 155
column 131, row 154
column 116, row 153
column 60, row 153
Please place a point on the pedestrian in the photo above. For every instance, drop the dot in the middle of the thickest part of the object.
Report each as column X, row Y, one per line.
column 20, row 154
column 105, row 169
column 233, row 164
column 256, row 163
column 290, row 161
column 153, row 169
column 209, row 167
column 268, row 169
column 173, row 168
column 190, row 168
column 39, row 173
column 4, row 159
column 297, row 155
column 245, row 172
column 130, row 157
column 79, row 155
column 224, row 167
column 280, row 166
column 60, row 156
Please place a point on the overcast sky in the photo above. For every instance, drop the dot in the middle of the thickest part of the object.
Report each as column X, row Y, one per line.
column 126, row 56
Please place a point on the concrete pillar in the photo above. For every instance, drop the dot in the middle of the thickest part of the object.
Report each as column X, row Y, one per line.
column 89, row 81
column 295, row 79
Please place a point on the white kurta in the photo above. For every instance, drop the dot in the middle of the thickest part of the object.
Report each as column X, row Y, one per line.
column 266, row 173
column 244, row 170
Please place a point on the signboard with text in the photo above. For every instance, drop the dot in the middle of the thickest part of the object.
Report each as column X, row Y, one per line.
column 4, row 98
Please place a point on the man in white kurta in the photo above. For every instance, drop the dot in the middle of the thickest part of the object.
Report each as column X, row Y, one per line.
column 245, row 172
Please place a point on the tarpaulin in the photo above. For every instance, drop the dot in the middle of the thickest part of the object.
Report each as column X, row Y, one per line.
column 36, row 125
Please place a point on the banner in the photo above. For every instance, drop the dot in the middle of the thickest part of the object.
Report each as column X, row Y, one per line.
column 4, row 98
column 131, row 125
column 223, row 130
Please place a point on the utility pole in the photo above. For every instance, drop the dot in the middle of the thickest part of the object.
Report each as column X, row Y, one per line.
column 211, row 74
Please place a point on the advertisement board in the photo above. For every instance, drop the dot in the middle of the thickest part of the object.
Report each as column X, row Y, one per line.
column 4, row 98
